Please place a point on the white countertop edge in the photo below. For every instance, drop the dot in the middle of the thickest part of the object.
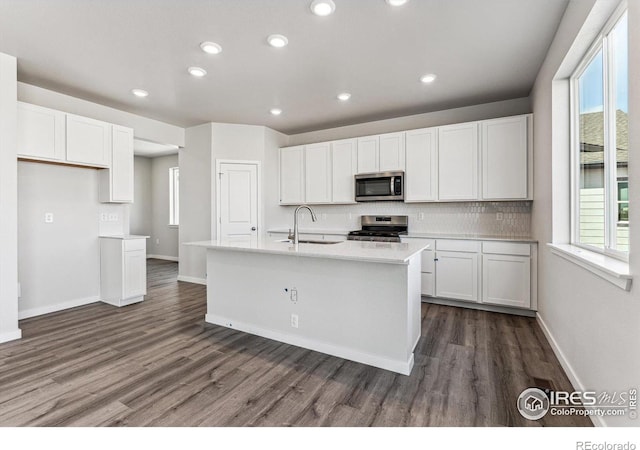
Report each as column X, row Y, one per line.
column 125, row 237
column 607, row 268
column 418, row 235
column 212, row 245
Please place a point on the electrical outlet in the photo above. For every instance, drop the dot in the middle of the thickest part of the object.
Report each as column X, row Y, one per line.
column 157, row 241
column 104, row 217
column 294, row 320
column 294, row 295
column 421, row 216
column 499, row 216
column 48, row 218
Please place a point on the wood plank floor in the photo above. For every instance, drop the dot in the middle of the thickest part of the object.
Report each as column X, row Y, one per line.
column 159, row 364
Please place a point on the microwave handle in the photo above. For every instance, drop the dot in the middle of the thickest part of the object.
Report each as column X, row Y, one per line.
column 392, row 189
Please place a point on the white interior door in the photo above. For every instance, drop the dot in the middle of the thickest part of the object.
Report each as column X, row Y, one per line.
column 238, row 200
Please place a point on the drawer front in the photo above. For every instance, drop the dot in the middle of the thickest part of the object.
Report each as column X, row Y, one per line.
column 506, row 248
column 428, row 263
column 428, row 284
column 450, row 245
column 134, row 244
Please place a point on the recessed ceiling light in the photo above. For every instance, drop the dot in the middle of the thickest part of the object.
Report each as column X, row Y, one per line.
column 139, row 93
column 344, row 96
column 211, row 47
column 198, row 72
column 396, row 2
column 428, row 78
column 275, row 111
column 323, row 7
column 277, row 40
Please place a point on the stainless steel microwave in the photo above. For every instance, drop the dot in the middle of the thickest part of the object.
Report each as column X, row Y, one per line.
column 382, row 186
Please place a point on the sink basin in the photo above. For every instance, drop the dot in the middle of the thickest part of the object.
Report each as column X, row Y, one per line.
column 311, row 241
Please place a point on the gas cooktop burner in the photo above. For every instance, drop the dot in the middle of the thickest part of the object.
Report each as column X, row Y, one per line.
column 380, row 228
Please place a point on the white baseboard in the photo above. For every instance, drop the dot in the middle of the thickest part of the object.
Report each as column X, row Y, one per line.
column 33, row 312
column 192, row 280
column 163, row 257
column 10, row 336
column 564, row 362
column 402, row 367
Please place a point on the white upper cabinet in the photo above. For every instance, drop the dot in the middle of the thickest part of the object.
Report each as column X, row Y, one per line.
column 505, row 158
column 392, row 152
column 292, row 175
column 344, row 166
column 421, row 175
column 88, row 141
column 116, row 183
column 318, row 173
column 41, row 132
column 368, row 154
column 458, row 162
column 381, row 153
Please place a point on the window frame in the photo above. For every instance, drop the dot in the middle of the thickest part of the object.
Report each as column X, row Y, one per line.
column 605, row 43
column 174, row 196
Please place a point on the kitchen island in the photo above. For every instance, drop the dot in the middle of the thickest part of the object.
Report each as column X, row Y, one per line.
column 352, row 299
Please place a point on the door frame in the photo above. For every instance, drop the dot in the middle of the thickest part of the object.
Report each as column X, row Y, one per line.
column 219, row 163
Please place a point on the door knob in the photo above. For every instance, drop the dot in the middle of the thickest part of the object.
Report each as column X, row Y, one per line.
column 253, row 228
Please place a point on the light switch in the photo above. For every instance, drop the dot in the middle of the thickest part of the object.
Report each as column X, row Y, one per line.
column 48, row 218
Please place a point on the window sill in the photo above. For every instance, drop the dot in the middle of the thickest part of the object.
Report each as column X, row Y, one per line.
column 173, row 226
column 612, row 270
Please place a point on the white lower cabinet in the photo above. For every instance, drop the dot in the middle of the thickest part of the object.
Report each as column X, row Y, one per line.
column 123, row 270
column 506, row 274
column 492, row 273
column 457, row 275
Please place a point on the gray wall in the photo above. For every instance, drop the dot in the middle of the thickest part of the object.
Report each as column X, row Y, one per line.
column 59, row 262
column 141, row 209
column 8, row 199
column 432, row 119
column 592, row 322
column 195, row 201
column 164, row 239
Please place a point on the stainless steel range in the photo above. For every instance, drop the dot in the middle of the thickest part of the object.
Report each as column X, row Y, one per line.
column 380, row 228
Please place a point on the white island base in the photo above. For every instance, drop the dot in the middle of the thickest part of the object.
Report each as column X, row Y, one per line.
column 350, row 307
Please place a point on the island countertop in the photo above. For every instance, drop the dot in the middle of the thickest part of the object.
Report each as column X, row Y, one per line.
column 365, row 251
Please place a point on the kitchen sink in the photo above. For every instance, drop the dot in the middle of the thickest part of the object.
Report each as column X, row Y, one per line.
column 310, row 241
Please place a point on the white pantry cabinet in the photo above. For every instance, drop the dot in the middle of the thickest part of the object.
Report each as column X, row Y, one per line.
column 318, row 171
column 505, row 157
column 123, row 270
column 116, row 183
column 41, row 133
column 458, row 162
column 421, row 175
column 292, row 175
column 88, row 141
column 344, row 161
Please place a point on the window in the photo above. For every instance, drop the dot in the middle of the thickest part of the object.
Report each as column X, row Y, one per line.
column 174, row 196
column 600, row 141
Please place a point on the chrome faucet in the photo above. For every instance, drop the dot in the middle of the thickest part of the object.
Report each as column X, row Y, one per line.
column 295, row 237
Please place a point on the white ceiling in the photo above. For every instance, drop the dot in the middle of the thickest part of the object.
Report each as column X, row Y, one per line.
column 481, row 50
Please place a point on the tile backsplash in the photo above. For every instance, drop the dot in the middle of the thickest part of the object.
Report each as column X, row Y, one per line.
column 503, row 219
